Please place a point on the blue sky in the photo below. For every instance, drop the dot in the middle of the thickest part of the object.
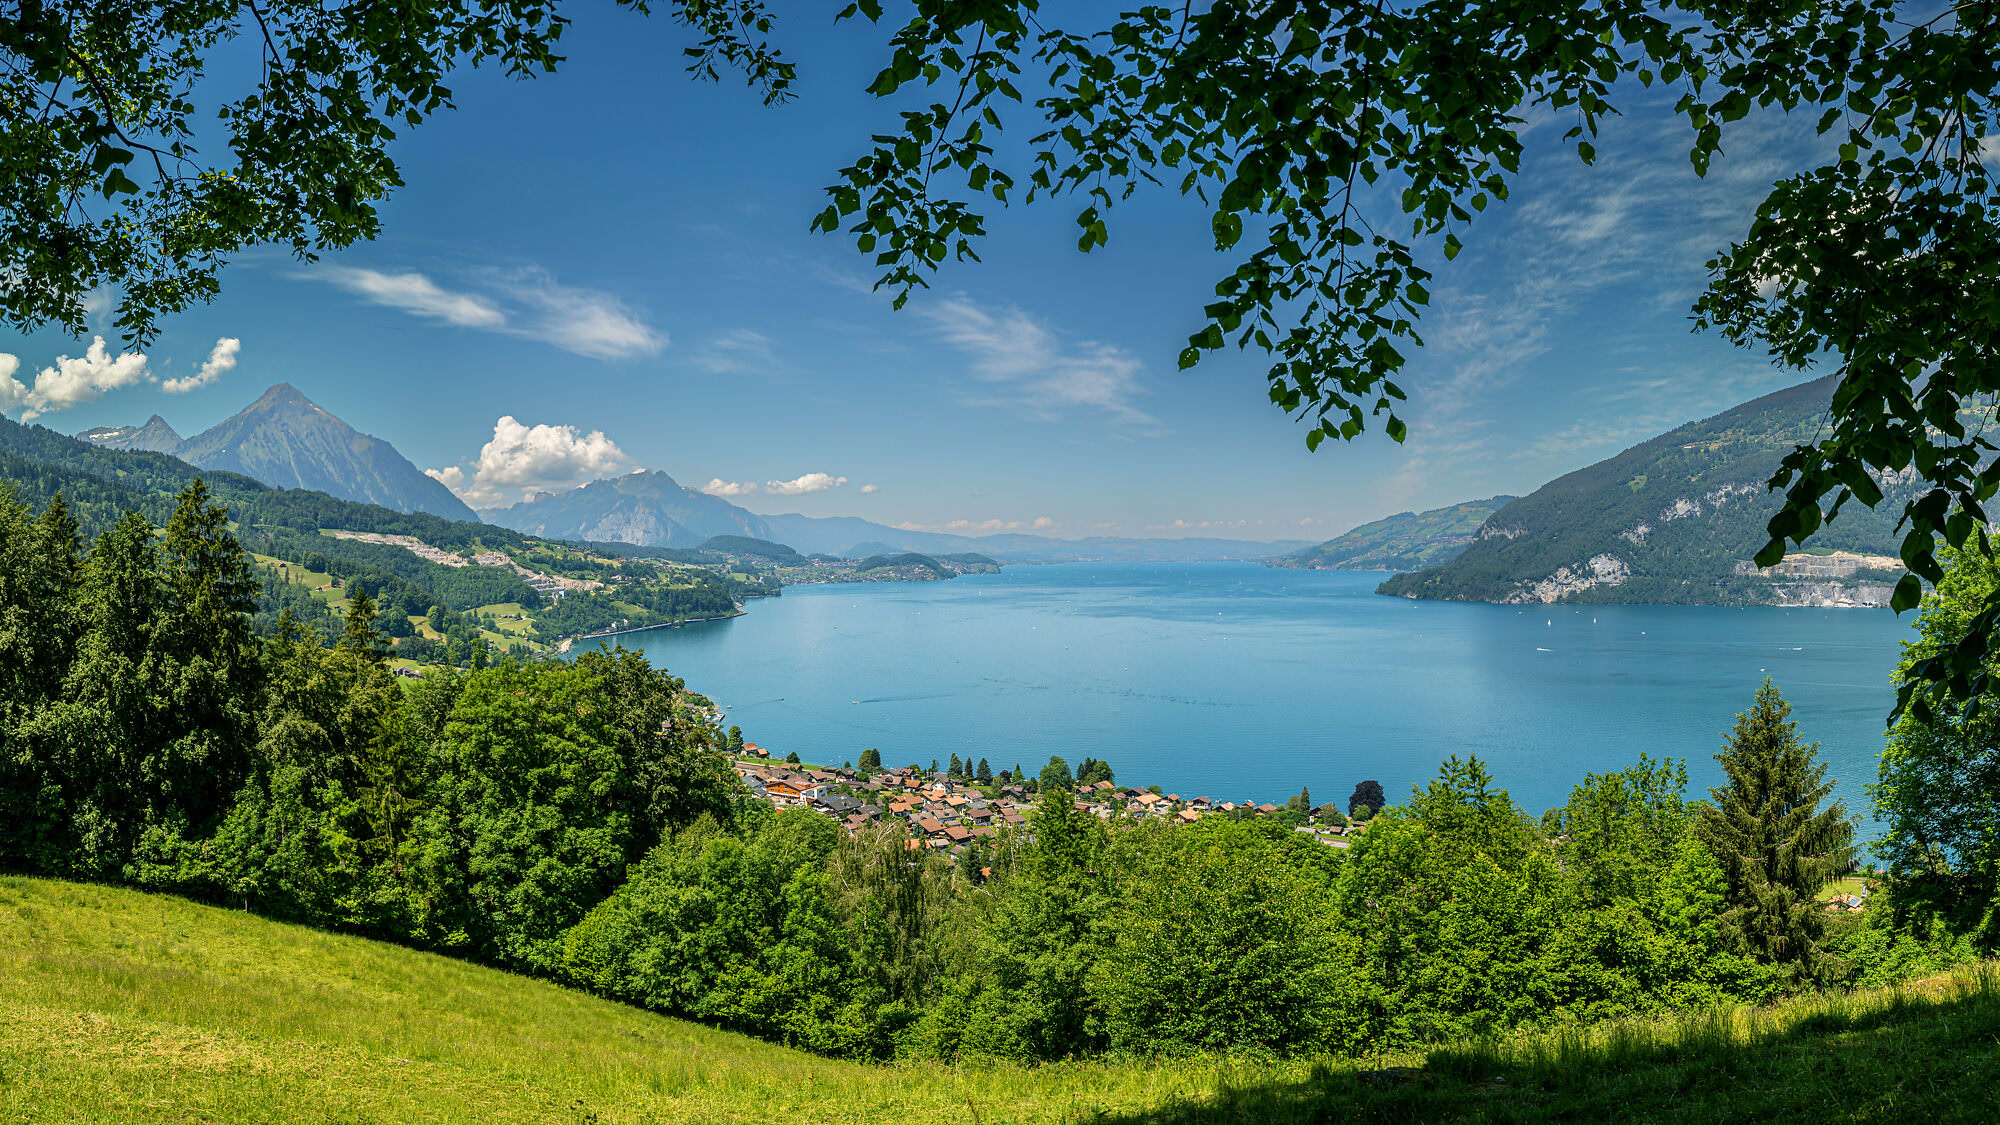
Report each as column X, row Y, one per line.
column 616, row 259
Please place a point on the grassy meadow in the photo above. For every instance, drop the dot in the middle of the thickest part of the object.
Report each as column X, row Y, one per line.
column 119, row 1006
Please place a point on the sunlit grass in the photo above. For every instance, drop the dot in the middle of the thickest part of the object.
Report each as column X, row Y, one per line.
column 122, row 1006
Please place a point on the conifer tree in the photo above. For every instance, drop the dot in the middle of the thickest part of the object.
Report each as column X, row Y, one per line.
column 985, row 774
column 361, row 637
column 1776, row 845
column 953, row 769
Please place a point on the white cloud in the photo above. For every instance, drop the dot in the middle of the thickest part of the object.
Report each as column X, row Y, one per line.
column 529, row 303
column 867, row 488
column 1042, row 523
column 737, row 352
column 221, row 361
column 522, row 460
column 584, row 321
column 719, row 487
column 799, row 486
column 1032, row 369
column 69, row 381
column 415, row 294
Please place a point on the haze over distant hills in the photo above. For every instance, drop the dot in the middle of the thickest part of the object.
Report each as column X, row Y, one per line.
column 1405, row 541
column 651, row 509
column 287, row 441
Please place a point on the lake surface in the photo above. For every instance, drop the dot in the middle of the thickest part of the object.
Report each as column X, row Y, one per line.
column 1240, row 681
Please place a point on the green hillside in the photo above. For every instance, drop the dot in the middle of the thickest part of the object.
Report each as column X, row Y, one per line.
column 1405, row 541
column 118, row 1006
column 1667, row 521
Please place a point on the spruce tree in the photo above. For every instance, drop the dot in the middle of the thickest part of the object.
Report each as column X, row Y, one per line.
column 1776, row 846
column 360, row 636
column 985, row 774
column 952, row 770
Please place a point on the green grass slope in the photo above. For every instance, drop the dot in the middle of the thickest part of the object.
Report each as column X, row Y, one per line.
column 127, row 1007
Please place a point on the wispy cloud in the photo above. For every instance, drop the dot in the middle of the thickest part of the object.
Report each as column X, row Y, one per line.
column 737, row 352
column 413, row 293
column 1026, row 365
column 529, row 303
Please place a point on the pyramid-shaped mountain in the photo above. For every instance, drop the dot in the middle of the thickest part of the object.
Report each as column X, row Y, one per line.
column 285, row 440
column 651, row 509
column 153, row 437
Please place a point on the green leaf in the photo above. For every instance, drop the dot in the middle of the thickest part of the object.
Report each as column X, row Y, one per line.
column 1908, row 593
column 1452, row 246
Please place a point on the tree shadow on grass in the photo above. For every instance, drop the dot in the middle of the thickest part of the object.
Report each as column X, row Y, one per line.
column 1911, row 1057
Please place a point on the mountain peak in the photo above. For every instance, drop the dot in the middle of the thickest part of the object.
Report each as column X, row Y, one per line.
column 286, row 440
column 280, row 394
column 154, row 437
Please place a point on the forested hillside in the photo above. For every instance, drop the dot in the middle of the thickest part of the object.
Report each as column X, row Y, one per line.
column 1667, row 521
column 1407, row 541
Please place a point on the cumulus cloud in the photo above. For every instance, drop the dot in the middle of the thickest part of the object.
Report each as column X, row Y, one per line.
column 1030, row 367
column 529, row 303
column 799, row 486
column 719, row 487
column 221, row 361
column 69, row 381
column 866, row 488
column 1042, row 523
column 523, row 460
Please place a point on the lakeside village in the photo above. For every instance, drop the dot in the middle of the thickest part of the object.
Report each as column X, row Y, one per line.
column 961, row 810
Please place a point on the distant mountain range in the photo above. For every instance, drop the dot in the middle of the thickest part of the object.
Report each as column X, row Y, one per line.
column 286, row 441
column 1405, row 541
column 651, row 509
column 1674, row 520
column 153, row 437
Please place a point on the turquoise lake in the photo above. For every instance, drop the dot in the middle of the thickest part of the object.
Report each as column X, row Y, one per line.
column 1240, row 681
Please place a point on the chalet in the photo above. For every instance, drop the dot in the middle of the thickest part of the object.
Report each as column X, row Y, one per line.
column 957, row 833
column 1189, row 816
column 836, row 804
column 792, row 794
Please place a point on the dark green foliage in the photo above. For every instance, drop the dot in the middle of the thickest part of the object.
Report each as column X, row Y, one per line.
column 984, row 776
column 1367, row 794
column 744, row 545
column 923, row 564
column 1055, row 778
column 1093, row 771
column 1775, row 844
column 1939, row 793
column 871, row 759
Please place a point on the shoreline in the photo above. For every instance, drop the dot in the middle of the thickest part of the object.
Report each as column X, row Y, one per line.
column 564, row 646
